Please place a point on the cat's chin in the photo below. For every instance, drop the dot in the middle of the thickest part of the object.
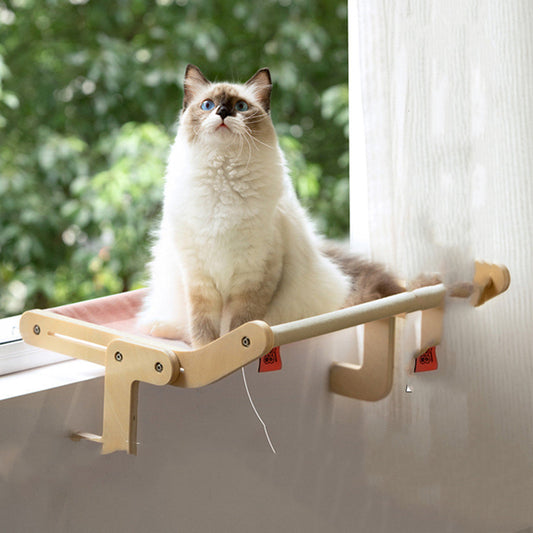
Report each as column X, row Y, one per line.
column 223, row 129
column 222, row 134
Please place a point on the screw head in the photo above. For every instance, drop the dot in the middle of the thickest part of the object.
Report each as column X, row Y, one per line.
column 118, row 357
column 158, row 367
column 246, row 342
column 36, row 329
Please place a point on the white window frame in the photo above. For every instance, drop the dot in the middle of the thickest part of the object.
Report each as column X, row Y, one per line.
column 26, row 369
column 15, row 355
column 359, row 222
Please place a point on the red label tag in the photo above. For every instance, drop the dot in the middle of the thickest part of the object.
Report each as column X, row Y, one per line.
column 427, row 361
column 270, row 361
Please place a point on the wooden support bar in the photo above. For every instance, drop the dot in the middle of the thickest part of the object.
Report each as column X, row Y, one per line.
column 406, row 302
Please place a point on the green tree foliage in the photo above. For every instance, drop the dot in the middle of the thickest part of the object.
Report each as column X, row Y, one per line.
column 89, row 95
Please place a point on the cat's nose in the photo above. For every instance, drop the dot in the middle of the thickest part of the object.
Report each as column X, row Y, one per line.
column 223, row 110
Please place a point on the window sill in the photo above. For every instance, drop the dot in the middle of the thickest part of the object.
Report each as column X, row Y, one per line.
column 48, row 377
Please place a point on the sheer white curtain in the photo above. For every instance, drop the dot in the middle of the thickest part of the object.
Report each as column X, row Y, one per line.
column 448, row 109
column 447, row 103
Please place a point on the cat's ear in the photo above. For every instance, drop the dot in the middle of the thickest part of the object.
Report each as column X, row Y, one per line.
column 194, row 80
column 261, row 83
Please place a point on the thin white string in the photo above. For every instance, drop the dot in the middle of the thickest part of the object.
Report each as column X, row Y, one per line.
column 256, row 413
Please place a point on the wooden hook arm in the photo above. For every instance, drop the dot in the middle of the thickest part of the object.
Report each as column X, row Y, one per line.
column 372, row 380
column 489, row 281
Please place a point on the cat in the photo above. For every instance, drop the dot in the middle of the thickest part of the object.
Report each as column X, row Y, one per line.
column 234, row 244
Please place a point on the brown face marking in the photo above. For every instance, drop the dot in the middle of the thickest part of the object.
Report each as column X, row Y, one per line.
column 255, row 121
column 227, row 95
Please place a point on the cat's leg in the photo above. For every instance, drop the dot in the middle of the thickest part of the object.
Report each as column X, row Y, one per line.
column 205, row 310
column 245, row 304
column 251, row 297
column 164, row 310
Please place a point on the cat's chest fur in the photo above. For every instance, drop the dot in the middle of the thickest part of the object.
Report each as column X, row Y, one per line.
column 225, row 211
column 215, row 191
column 226, row 192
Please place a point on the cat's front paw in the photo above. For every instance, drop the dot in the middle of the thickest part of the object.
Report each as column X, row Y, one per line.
column 166, row 330
column 202, row 339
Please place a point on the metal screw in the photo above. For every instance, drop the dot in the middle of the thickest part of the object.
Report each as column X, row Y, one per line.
column 118, row 357
column 246, row 342
column 36, row 329
column 158, row 367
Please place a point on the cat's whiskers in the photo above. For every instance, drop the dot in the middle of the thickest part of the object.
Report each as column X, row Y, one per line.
column 243, row 135
column 241, row 148
column 245, row 140
column 254, row 139
column 254, row 120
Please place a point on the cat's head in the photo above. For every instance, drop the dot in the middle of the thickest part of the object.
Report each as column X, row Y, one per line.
column 224, row 114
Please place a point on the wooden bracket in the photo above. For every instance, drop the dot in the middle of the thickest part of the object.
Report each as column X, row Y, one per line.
column 130, row 359
column 127, row 359
column 223, row 356
column 128, row 363
column 372, row 380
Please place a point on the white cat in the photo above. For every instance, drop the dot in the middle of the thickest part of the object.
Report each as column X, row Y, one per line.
column 234, row 242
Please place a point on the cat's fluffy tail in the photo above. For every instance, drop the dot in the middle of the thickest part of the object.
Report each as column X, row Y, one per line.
column 370, row 280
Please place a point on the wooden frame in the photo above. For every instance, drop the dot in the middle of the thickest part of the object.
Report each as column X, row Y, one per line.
column 130, row 358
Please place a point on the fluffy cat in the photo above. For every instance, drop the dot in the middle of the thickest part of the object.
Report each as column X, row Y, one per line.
column 234, row 243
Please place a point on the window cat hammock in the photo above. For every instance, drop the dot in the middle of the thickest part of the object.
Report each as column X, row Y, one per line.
column 100, row 331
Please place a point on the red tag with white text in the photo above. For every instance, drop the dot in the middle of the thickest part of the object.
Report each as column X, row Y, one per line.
column 427, row 361
column 270, row 361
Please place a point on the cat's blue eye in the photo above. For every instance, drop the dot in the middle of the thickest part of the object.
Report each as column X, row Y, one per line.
column 208, row 105
column 241, row 105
